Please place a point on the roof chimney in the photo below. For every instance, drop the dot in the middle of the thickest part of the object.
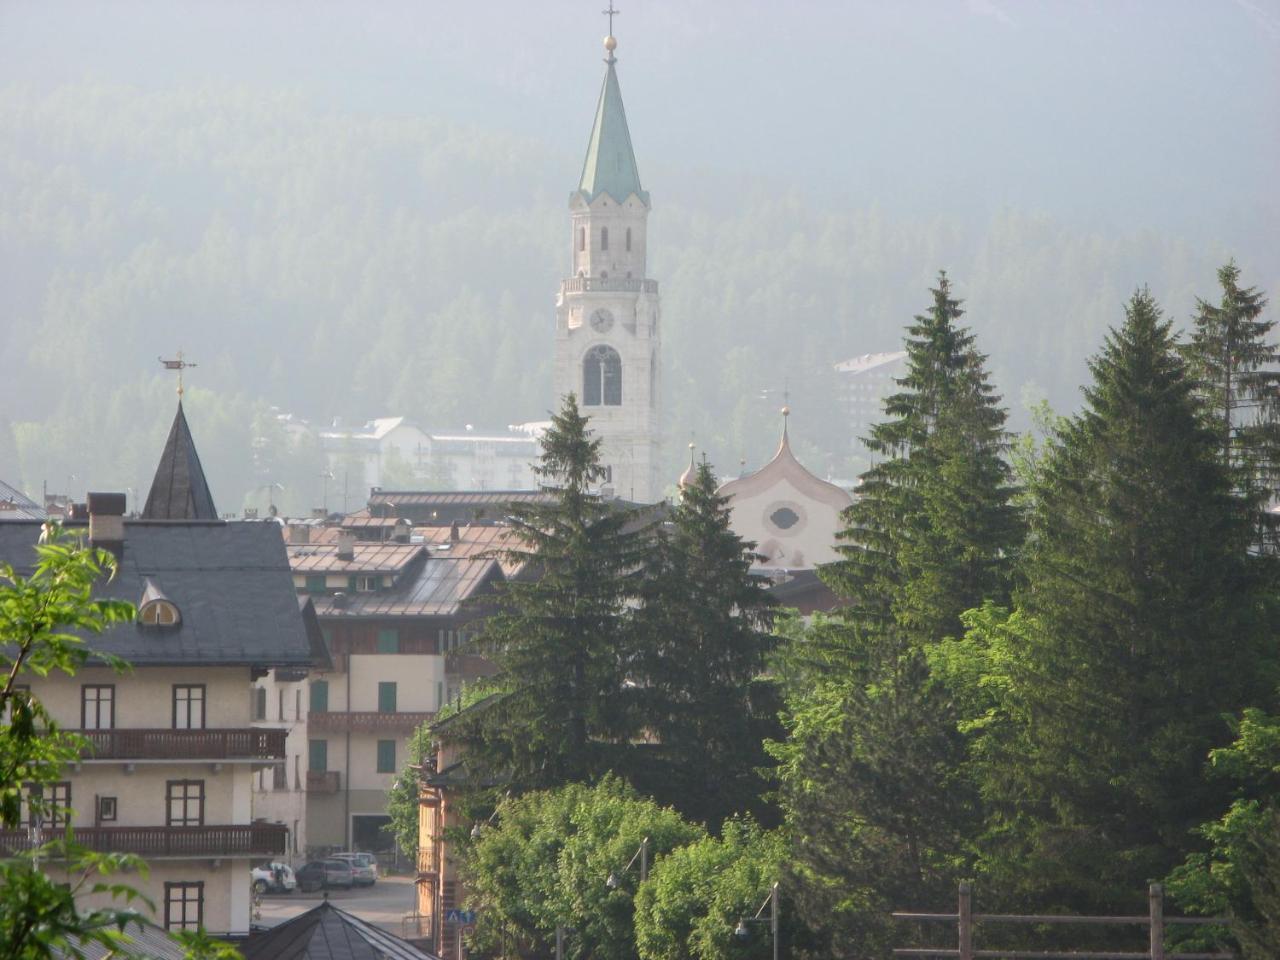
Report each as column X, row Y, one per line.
column 454, row 534
column 346, row 545
column 402, row 530
column 106, row 520
column 299, row 533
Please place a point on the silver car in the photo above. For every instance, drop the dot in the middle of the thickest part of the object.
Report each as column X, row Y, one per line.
column 364, row 867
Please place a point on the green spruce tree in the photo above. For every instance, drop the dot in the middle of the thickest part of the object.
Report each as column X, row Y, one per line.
column 871, row 778
column 1140, row 633
column 1237, row 369
column 705, row 621
column 562, row 636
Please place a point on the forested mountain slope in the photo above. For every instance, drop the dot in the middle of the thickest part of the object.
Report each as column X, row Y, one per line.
column 337, row 264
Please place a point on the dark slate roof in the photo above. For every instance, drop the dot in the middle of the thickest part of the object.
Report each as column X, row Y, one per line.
column 145, row 940
column 230, row 581
column 328, row 933
column 179, row 490
column 16, row 505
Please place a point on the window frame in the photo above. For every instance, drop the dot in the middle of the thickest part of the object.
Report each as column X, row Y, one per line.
column 110, row 701
column 203, row 702
column 604, row 238
column 185, row 798
column 111, row 803
column 391, row 687
column 387, row 640
column 182, row 887
column 320, row 746
column 379, row 765
column 602, row 377
column 322, row 685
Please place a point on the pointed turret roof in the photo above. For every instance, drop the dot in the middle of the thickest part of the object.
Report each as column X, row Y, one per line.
column 610, row 166
column 179, row 490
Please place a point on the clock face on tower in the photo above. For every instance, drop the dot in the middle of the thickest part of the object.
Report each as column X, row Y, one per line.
column 601, row 320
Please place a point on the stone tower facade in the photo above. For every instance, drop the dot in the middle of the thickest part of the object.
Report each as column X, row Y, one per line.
column 608, row 341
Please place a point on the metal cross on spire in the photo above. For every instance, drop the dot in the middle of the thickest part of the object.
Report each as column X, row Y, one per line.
column 611, row 13
column 179, row 364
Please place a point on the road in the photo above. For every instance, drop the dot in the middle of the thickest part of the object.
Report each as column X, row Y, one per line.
column 383, row 904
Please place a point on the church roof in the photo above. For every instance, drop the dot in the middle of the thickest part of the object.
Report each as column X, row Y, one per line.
column 610, row 166
column 179, row 490
column 785, row 468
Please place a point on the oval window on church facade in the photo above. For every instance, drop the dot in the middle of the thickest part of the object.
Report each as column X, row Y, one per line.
column 602, row 377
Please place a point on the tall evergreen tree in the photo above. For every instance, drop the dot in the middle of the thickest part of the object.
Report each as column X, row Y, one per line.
column 870, row 774
column 705, row 621
column 1237, row 368
column 1141, row 633
column 563, row 637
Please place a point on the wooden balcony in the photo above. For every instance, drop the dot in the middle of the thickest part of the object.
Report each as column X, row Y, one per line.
column 179, row 843
column 366, row 721
column 323, row 781
column 247, row 743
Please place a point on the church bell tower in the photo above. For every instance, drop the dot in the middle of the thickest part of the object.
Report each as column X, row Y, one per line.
column 607, row 316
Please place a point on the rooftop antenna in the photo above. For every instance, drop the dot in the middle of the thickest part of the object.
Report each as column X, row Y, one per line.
column 178, row 364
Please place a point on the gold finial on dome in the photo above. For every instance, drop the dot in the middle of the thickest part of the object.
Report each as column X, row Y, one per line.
column 611, row 43
column 691, row 473
column 786, row 411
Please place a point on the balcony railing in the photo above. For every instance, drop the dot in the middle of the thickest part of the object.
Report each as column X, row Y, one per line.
column 366, row 721
column 322, row 781
column 248, row 743
column 239, row 840
column 609, row 285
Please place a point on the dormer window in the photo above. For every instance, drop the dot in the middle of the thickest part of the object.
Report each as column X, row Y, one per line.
column 155, row 609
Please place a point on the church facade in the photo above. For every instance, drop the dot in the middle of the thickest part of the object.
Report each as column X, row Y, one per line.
column 608, row 319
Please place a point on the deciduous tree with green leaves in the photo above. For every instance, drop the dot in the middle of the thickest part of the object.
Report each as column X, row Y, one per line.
column 546, row 862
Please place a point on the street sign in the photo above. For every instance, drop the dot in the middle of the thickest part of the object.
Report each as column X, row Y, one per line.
column 464, row 917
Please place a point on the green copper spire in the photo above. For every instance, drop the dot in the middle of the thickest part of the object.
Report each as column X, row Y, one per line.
column 610, row 166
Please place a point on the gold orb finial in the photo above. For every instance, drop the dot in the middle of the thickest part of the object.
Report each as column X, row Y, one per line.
column 786, row 411
column 611, row 43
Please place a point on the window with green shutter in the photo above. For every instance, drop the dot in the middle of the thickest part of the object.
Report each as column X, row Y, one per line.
column 386, row 756
column 389, row 641
column 318, row 756
column 319, row 696
column 387, row 697
column 315, row 583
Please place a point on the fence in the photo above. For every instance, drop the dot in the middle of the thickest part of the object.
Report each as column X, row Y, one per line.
column 966, row 921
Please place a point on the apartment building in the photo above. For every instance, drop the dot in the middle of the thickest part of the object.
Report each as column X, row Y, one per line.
column 392, row 612
column 173, row 754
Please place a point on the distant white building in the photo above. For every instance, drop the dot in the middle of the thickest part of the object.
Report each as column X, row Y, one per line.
column 396, row 452
column 865, row 381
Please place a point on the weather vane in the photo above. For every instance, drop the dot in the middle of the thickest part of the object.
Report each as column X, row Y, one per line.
column 179, row 364
column 611, row 13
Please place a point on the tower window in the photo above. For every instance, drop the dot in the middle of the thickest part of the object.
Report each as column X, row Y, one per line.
column 628, row 239
column 582, row 239
column 602, row 377
column 604, row 238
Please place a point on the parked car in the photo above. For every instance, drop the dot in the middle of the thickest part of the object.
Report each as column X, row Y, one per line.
column 338, row 873
column 363, row 865
column 273, row 877
column 311, row 876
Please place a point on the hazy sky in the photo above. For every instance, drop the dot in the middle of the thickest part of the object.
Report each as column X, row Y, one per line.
column 1161, row 114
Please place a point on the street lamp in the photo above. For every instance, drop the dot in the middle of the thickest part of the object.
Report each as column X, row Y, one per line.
column 614, row 881
column 742, row 932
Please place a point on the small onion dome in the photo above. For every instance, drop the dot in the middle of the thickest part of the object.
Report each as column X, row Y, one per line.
column 690, row 473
